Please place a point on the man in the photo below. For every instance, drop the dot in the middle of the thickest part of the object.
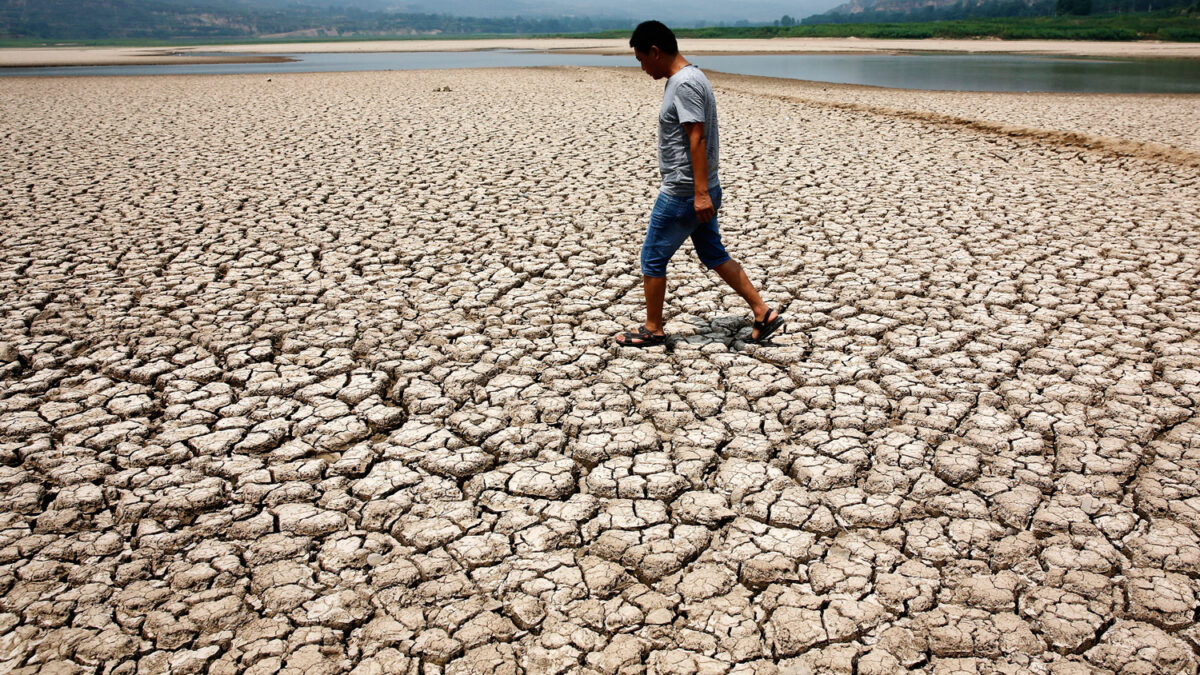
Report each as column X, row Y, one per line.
column 690, row 195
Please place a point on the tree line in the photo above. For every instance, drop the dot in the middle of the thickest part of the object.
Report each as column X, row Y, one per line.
column 972, row 9
column 156, row 19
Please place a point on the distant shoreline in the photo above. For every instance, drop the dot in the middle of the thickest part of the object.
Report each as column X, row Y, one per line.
column 270, row 52
column 49, row 57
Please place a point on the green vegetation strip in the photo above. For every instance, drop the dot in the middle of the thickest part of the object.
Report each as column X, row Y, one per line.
column 242, row 40
column 1169, row 26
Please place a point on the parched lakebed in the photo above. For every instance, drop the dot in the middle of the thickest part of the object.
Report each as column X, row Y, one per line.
column 313, row 373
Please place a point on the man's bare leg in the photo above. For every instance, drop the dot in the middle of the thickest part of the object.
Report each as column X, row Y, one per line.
column 735, row 276
column 655, row 290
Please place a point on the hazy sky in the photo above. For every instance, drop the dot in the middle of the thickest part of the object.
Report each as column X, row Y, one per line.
column 667, row 12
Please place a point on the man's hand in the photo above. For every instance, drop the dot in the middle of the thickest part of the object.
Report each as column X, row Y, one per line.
column 704, row 207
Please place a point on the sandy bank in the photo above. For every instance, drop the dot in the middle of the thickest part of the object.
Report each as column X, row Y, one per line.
column 764, row 46
column 81, row 56
column 1153, row 126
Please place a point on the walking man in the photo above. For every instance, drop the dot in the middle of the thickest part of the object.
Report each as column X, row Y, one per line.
column 690, row 195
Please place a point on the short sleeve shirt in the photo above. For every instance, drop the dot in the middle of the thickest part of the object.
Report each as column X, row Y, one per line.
column 688, row 98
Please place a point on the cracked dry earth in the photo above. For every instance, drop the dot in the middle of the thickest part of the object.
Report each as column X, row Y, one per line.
column 313, row 375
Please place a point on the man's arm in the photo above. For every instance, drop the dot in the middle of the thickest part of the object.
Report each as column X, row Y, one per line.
column 698, row 149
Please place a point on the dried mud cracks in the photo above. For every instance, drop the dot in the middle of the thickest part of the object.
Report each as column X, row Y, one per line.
column 312, row 375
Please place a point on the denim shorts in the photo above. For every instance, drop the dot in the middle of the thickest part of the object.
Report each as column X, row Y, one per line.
column 673, row 220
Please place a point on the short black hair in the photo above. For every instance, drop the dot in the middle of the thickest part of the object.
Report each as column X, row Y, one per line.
column 653, row 34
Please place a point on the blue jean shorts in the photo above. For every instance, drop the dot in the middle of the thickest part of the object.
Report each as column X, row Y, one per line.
column 673, row 220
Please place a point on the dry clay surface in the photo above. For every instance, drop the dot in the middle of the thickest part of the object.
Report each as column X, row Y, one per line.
column 312, row 374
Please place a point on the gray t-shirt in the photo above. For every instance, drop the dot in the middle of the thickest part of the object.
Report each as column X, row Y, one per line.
column 688, row 98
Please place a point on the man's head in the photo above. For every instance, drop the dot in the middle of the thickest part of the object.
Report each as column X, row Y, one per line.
column 655, row 47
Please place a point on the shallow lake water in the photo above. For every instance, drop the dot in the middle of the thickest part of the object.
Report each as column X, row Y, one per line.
column 953, row 72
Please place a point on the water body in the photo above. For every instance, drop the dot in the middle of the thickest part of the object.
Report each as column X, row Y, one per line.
column 949, row 72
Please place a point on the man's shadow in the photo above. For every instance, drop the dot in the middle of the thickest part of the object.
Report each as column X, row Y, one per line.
column 732, row 331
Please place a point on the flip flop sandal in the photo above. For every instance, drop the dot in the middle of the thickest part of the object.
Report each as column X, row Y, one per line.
column 765, row 328
column 647, row 338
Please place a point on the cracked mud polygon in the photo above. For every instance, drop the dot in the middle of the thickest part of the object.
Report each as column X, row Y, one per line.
column 315, row 376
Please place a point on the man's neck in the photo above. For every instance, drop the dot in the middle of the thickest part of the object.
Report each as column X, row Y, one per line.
column 678, row 64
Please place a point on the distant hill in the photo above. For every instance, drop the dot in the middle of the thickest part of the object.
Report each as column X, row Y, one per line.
column 877, row 11
column 210, row 19
column 871, row 11
column 692, row 12
column 213, row 19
